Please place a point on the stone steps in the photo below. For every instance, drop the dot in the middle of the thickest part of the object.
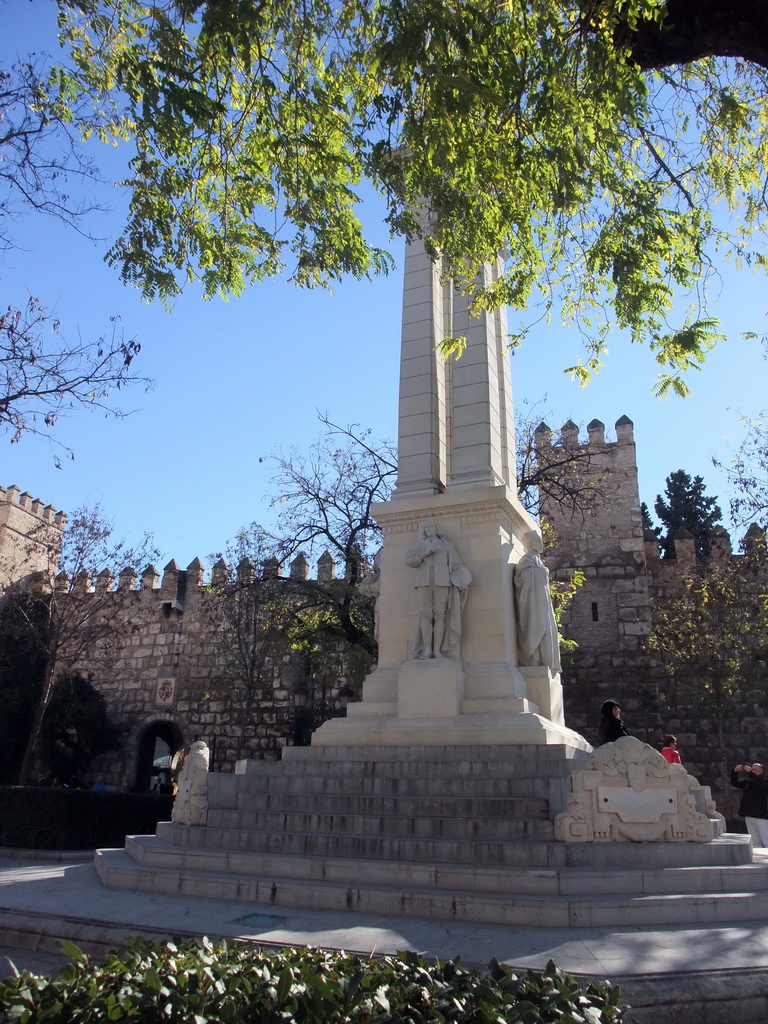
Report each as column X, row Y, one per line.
column 428, row 806
column 372, row 758
column 559, row 910
column 417, row 827
column 415, row 762
column 383, row 847
column 450, row 833
column 152, row 851
column 385, row 786
column 726, row 851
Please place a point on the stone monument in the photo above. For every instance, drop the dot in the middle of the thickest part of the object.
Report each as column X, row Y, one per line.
column 191, row 804
column 454, row 789
column 441, row 581
column 629, row 793
column 451, row 669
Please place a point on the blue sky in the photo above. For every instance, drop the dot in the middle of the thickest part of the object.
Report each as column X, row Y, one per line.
column 236, row 380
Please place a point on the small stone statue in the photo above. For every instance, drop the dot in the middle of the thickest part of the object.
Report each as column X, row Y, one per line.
column 441, row 580
column 191, row 804
column 538, row 642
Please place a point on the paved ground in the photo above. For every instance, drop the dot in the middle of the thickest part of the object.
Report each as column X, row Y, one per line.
column 41, row 901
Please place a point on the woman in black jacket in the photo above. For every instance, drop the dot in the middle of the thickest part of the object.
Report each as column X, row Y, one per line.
column 611, row 726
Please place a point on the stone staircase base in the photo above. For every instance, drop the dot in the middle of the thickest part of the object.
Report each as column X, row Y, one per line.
column 455, row 833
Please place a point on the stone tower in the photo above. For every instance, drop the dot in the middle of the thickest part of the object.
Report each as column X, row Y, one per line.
column 611, row 613
column 456, row 472
column 30, row 536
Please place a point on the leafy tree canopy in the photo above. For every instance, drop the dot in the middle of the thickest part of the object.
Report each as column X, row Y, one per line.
column 686, row 506
column 647, row 520
column 715, row 630
column 22, row 669
column 73, row 615
column 600, row 138
column 76, row 727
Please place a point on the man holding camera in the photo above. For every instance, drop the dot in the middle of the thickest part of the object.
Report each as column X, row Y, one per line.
column 751, row 780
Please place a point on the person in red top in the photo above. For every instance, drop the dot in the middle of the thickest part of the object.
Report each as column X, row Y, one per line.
column 669, row 751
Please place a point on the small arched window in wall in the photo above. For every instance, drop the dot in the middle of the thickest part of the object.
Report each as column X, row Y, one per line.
column 595, row 615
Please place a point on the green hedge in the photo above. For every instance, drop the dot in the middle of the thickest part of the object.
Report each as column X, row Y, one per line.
column 205, row 983
column 34, row 818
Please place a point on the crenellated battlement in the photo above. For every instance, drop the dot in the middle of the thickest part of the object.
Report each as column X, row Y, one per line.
column 569, row 434
column 668, row 575
column 30, row 534
column 173, row 585
column 14, row 496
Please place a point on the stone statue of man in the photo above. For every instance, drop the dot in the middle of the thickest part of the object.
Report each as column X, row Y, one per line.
column 538, row 642
column 441, row 581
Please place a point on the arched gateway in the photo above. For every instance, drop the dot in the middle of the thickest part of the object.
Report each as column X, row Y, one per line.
column 157, row 744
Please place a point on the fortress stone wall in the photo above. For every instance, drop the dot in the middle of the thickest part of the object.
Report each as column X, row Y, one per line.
column 163, row 679
column 611, row 615
column 161, row 675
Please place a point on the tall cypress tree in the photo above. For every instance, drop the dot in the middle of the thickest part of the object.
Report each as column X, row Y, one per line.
column 686, row 505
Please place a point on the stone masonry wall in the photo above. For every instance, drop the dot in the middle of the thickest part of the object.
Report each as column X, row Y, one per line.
column 162, row 677
column 161, row 674
column 30, row 535
column 612, row 613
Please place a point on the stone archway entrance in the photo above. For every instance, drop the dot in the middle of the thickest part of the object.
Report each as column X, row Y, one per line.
column 157, row 745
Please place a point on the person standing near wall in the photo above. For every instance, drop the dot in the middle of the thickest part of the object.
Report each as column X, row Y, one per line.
column 751, row 780
column 669, row 751
column 611, row 727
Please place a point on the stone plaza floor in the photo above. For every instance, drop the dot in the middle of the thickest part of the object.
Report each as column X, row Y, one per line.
column 42, row 901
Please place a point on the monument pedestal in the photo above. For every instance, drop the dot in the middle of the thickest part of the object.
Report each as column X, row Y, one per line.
column 454, row 526
column 485, row 697
column 430, row 689
column 475, row 730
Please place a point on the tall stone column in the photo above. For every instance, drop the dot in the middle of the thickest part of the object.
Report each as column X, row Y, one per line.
column 456, row 425
column 456, row 468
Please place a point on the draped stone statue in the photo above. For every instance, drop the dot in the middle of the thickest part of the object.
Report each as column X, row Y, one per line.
column 191, row 804
column 537, row 638
column 442, row 582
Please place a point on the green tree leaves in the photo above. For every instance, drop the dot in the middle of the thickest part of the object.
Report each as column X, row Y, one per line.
column 245, row 122
column 222, row 983
column 76, row 727
column 715, row 630
column 530, row 127
column 686, row 506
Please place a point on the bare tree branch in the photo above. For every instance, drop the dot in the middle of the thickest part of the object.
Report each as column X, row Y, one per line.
column 43, row 377
column 41, row 149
